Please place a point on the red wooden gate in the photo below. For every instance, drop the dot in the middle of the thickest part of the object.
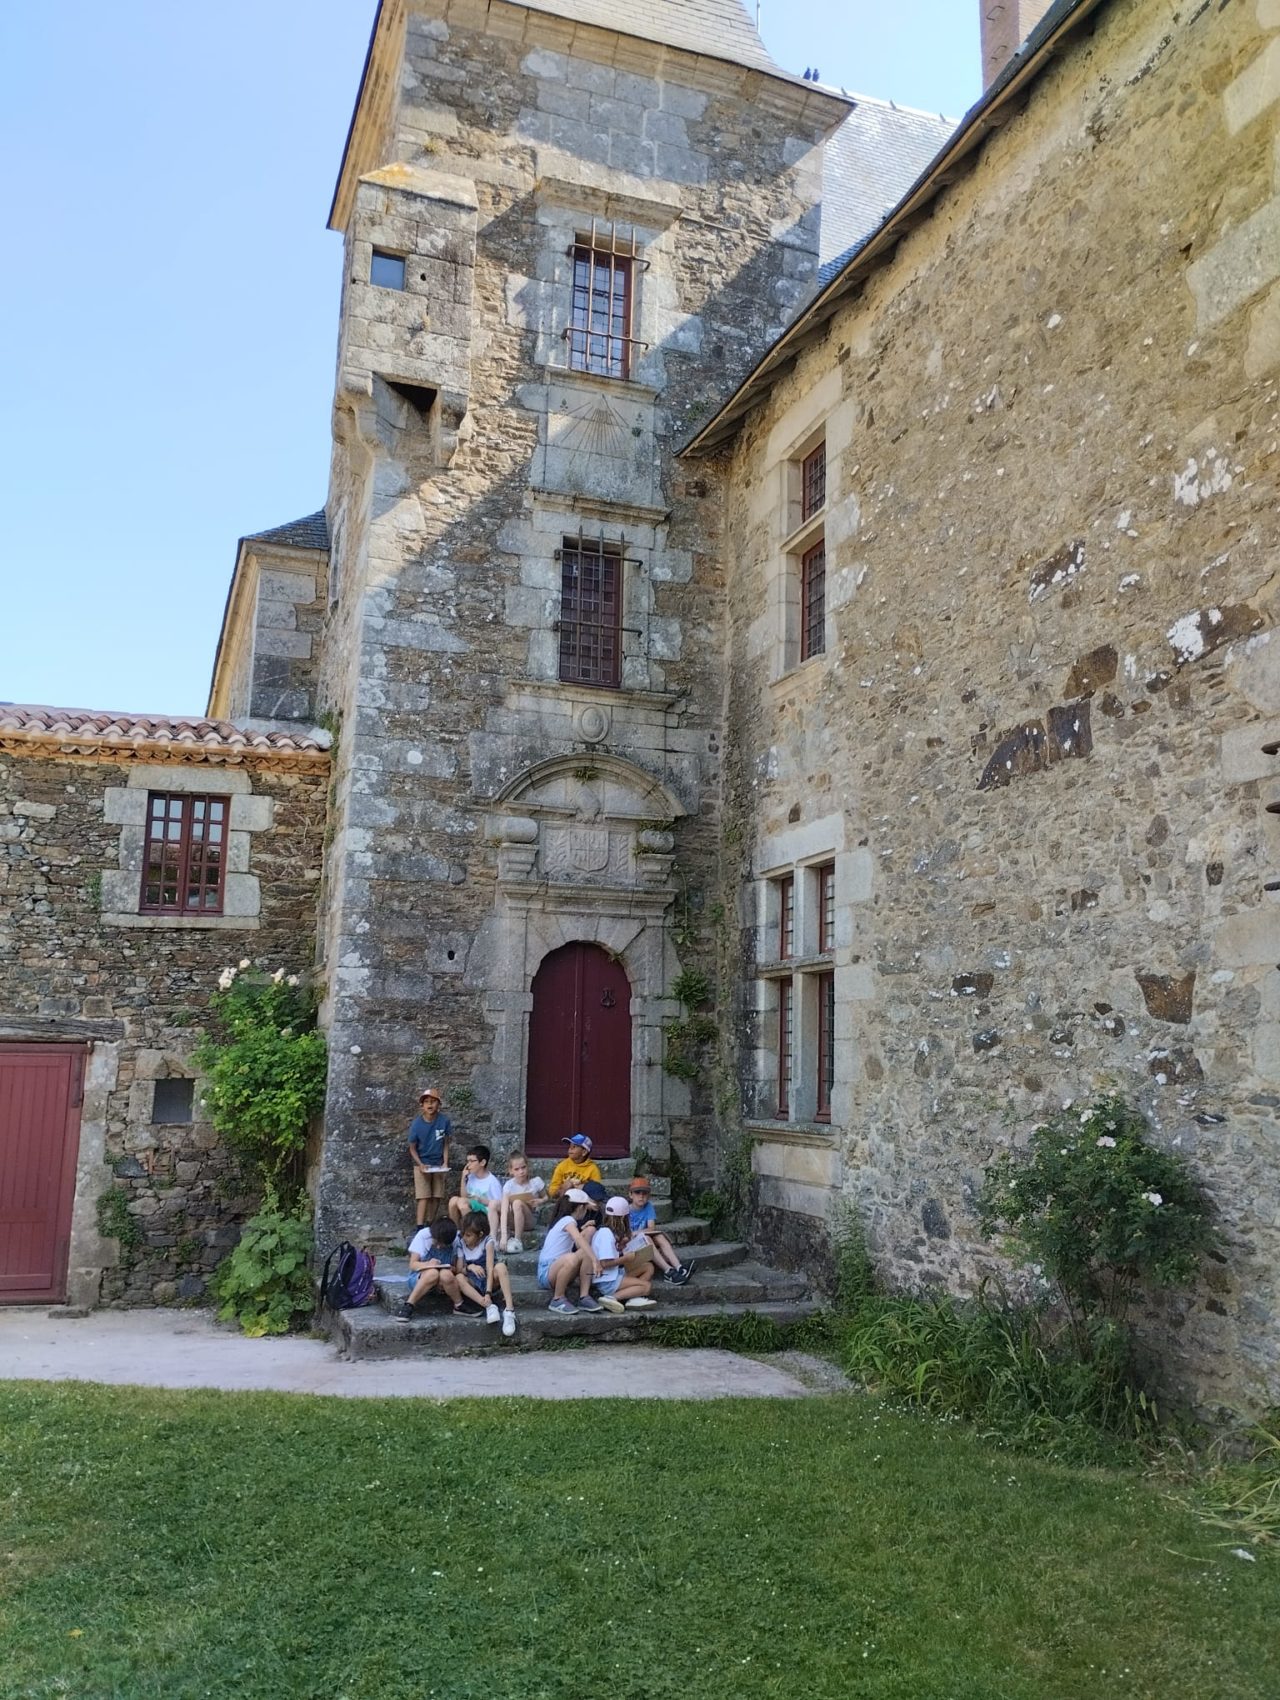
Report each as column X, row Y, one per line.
column 579, row 1077
column 40, row 1096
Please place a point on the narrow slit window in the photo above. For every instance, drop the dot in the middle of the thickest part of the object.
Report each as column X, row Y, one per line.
column 386, row 270
column 813, row 600
column 600, row 339
column 826, row 1047
column 786, row 1039
column 826, row 879
column 813, row 482
column 591, row 612
column 183, row 867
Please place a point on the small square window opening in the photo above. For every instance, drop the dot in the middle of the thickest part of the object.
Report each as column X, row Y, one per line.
column 173, row 1100
column 386, row 270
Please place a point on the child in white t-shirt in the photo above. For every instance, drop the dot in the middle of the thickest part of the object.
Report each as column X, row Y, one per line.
column 625, row 1261
column 480, row 1191
column 479, row 1272
column 431, row 1252
column 521, row 1196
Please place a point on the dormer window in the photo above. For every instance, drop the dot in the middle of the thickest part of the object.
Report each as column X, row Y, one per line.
column 599, row 332
column 386, row 270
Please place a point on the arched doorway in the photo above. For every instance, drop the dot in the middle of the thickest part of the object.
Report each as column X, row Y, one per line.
column 579, row 1078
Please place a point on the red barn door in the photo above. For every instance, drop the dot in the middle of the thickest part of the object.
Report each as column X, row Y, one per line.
column 579, row 1077
column 39, row 1137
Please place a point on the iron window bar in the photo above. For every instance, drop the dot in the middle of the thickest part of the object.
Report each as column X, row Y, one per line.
column 599, row 328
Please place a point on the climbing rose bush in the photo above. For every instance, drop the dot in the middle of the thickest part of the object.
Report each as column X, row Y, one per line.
column 264, row 1064
column 1099, row 1209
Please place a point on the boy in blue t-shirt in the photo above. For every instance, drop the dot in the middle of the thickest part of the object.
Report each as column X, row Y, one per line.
column 431, row 1255
column 643, row 1217
column 429, row 1149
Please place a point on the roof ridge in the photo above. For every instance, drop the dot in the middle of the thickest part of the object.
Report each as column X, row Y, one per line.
column 894, row 105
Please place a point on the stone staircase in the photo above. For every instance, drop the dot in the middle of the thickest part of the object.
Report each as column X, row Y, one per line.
column 726, row 1283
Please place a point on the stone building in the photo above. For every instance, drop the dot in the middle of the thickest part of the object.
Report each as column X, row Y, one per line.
column 779, row 539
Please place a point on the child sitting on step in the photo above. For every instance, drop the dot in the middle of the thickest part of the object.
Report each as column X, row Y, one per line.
column 625, row 1261
column 643, row 1217
column 479, row 1272
column 431, row 1265
column 575, row 1167
column 521, row 1196
column 565, row 1260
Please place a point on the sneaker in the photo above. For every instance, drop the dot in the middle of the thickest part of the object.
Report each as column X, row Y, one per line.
column 405, row 1312
column 508, row 1323
column 492, row 1313
column 614, row 1305
column 670, row 1274
column 513, row 1246
column 588, row 1301
column 683, row 1273
column 641, row 1304
column 563, row 1307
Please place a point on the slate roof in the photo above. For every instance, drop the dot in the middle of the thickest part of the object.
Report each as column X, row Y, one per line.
column 310, row 532
column 721, row 29
column 868, row 164
column 81, row 730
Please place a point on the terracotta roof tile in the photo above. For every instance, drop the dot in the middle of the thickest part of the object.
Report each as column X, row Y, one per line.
column 78, row 726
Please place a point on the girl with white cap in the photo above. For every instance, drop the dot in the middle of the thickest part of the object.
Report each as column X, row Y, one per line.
column 626, row 1261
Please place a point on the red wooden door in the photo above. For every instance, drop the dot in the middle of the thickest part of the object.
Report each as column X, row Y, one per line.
column 40, row 1095
column 579, row 1077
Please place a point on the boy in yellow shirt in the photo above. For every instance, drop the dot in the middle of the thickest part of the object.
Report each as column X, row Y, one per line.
column 575, row 1167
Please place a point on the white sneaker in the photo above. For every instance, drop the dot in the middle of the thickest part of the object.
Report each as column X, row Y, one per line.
column 492, row 1313
column 641, row 1304
column 508, row 1323
column 513, row 1245
column 615, row 1305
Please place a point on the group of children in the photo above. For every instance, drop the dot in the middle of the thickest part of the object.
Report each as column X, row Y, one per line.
column 599, row 1253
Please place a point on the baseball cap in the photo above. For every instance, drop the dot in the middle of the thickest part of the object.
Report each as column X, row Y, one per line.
column 577, row 1139
column 595, row 1191
column 429, row 1092
column 575, row 1195
column 617, row 1206
column 639, row 1184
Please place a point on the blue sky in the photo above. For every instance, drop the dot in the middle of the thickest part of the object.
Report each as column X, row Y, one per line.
column 170, row 301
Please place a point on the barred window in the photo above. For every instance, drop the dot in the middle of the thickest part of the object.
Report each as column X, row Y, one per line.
column 600, row 330
column 786, row 917
column 813, row 600
column 813, row 482
column 590, row 611
column 183, row 864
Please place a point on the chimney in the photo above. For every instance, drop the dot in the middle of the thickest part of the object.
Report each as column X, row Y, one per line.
column 1006, row 24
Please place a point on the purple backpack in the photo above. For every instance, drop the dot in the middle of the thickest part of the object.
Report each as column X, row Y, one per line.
column 350, row 1284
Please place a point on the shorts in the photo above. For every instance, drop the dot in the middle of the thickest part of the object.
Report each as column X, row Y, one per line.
column 474, row 1273
column 481, row 1204
column 429, row 1186
column 609, row 1281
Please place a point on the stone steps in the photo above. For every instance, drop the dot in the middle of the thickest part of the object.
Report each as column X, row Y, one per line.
column 372, row 1333
column 393, row 1274
column 740, row 1283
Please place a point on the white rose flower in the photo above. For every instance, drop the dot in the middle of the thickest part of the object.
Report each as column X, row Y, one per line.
column 1106, row 1142
column 244, row 962
column 1155, row 1198
column 292, row 980
column 277, row 976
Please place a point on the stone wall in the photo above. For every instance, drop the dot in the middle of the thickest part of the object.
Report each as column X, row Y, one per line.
column 466, row 453
column 133, row 988
column 1034, row 744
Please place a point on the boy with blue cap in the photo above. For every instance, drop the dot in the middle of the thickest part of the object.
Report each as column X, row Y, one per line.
column 576, row 1167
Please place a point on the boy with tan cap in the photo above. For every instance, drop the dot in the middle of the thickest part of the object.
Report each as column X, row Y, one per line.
column 429, row 1149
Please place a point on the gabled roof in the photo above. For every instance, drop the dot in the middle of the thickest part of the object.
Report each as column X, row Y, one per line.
column 1053, row 35
column 310, row 532
column 720, row 29
column 876, row 154
column 148, row 737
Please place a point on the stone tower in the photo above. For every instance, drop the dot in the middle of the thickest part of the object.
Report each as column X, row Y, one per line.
column 567, row 228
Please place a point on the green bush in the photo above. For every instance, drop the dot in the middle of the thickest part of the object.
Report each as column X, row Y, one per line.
column 1099, row 1210
column 265, row 1283
column 264, row 1065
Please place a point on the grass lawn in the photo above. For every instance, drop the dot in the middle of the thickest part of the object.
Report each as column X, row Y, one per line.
column 175, row 1545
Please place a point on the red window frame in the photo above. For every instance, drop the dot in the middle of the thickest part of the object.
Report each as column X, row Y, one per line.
column 826, row 878
column 184, row 859
column 591, row 612
column 826, row 1048
column 600, row 338
column 786, row 917
column 813, row 482
column 813, row 600
column 786, row 1043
